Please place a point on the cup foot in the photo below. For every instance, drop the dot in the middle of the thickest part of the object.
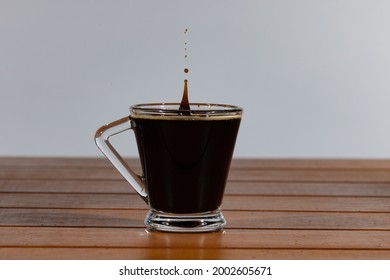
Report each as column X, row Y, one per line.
column 203, row 222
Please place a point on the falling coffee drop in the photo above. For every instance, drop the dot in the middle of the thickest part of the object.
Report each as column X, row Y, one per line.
column 186, row 70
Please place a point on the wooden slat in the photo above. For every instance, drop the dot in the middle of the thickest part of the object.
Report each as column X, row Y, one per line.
column 230, row 239
column 264, row 175
column 44, row 253
column 237, row 163
column 308, row 189
column 235, row 219
column 33, row 173
column 65, row 186
column 305, row 163
column 57, row 162
column 261, row 203
column 239, row 188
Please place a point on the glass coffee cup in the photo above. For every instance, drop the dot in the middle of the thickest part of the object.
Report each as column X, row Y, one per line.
column 185, row 158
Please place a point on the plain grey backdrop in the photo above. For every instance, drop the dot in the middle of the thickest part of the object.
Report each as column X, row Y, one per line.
column 312, row 76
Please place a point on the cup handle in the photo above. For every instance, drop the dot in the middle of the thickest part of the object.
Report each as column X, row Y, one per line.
column 102, row 141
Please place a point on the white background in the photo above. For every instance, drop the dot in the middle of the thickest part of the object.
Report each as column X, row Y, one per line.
column 313, row 76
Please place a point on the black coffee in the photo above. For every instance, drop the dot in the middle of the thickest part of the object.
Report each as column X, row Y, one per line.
column 185, row 162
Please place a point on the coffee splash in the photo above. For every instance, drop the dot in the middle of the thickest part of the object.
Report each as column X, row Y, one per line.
column 185, row 104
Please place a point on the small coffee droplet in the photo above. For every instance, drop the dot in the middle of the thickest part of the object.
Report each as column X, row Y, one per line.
column 186, row 70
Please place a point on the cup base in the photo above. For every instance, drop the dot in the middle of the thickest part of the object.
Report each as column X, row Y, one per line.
column 202, row 222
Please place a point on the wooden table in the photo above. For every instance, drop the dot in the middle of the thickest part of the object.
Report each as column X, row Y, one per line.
column 74, row 208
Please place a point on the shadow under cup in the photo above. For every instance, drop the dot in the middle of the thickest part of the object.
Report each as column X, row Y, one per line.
column 185, row 157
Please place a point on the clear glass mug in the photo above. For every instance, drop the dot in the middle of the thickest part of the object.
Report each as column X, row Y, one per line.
column 185, row 157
